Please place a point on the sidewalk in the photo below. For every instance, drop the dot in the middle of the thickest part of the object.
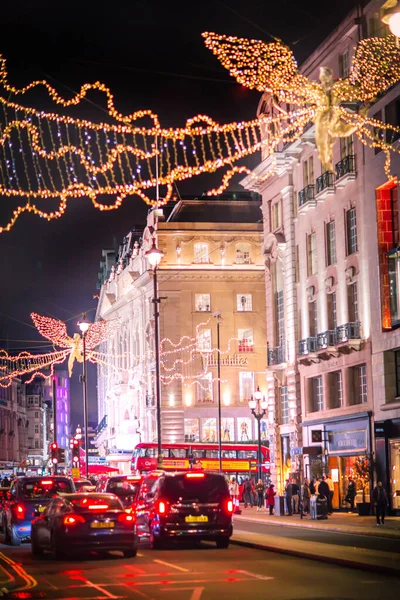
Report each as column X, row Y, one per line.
column 339, row 522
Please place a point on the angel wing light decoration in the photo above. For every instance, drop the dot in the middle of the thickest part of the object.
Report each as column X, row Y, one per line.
column 272, row 68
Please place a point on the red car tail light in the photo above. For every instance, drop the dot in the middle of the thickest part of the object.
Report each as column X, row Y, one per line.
column 195, row 475
column 126, row 518
column 19, row 511
column 162, row 507
column 73, row 519
column 229, row 507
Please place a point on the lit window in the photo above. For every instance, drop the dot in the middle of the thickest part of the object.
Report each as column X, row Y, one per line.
column 246, row 340
column 352, row 294
column 244, row 302
column 313, row 318
column 351, row 229
column 243, row 254
column 332, row 311
column 358, row 379
column 202, row 302
column 394, row 286
column 317, row 402
column 205, row 389
column 285, row 405
column 201, row 253
column 335, row 389
column 246, row 385
column 312, row 253
column 277, row 215
column 204, row 340
column 192, row 430
column 330, row 243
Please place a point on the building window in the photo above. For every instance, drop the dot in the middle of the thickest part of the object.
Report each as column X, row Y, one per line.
column 394, row 286
column 397, row 370
column 244, row 302
column 332, row 312
column 201, row 253
column 313, row 318
column 352, row 295
column 308, row 172
column 277, row 215
column 36, row 414
column 36, row 428
column 205, row 389
column 358, row 382
column 344, row 65
column 246, row 385
column 351, row 230
column 311, row 253
column 285, row 405
column 245, row 340
column 243, row 254
column 204, row 340
column 280, row 318
column 202, row 302
column 335, row 389
column 330, row 243
column 317, row 401
column 36, row 443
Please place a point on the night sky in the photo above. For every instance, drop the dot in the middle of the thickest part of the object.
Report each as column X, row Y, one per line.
column 151, row 55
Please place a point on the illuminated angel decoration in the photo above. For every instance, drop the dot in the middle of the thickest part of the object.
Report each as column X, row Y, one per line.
column 272, row 68
column 69, row 348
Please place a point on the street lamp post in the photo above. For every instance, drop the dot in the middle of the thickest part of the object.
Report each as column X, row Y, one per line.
column 84, row 326
column 258, row 405
column 154, row 256
column 217, row 315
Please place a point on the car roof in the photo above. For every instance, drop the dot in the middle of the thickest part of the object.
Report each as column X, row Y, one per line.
column 79, row 495
column 43, row 478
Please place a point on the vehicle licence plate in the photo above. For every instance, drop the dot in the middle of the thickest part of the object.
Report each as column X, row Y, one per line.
column 102, row 525
column 199, row 519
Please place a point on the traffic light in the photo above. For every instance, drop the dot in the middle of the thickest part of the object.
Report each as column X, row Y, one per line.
column 61, row 455
column 74, row 445
column 54, row 453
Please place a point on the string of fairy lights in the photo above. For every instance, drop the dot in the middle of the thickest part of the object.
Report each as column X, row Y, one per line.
column 47, row 158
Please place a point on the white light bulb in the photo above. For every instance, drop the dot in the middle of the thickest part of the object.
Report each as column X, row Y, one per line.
column 394, row 24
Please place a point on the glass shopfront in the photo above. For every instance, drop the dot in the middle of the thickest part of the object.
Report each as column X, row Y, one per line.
column 394, row 465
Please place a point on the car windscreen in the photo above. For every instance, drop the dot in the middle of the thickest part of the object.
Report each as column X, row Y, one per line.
column 122, row 488
column 185, row 489
column 95, row 503
column 45, row 489
column 81, row 484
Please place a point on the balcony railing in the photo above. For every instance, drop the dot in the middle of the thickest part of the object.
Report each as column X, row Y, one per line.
column 308, row 345
column 348, row 331
column 346, row 166
column 324, row 181
column 276, row 356
column 307, row 194
column 326, row 339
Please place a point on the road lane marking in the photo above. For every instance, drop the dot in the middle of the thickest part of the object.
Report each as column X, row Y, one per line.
column 30, row 582
column 167, row 564
column 100, row 588
column 255, row 575
column 197, row 591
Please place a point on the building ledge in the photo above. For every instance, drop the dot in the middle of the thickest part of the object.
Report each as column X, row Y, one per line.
column 391, row 405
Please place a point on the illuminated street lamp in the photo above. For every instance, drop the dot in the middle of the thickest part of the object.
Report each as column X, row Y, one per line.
column 391, row 16
column 154, row 256
column 84, row 326
column 258, row 405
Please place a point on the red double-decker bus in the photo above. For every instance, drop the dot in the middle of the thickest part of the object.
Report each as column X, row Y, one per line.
column 237, row 459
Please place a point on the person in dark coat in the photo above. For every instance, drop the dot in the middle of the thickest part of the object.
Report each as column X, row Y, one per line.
column 323, row 489
column 380, row 500
column 288, row 496
column 351, row 493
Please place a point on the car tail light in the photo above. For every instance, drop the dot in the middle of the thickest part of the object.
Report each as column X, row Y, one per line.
column 73, row 519
column 126, row 518
column 229, row 507
column 195, row 475
column 134, row 478
column 46, row 482
column 19, row 511
column 162, row 507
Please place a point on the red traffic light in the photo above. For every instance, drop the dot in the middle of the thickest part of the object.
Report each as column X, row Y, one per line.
column 54, row 446
column 75, row 459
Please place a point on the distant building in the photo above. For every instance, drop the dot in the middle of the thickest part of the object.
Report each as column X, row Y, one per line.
column 212, row 263
column 13, row 427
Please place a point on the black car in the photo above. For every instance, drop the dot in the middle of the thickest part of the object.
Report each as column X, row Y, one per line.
column 126, row 487
column 185, row 505
column 26, row 497
column 78, row 522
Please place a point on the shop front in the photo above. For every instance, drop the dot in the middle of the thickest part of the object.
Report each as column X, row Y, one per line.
column 345, row 454
column 387, row 449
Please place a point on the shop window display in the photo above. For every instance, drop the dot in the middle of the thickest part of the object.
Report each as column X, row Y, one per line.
column 394, row 453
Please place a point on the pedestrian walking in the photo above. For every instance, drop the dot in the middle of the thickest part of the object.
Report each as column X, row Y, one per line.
column 305, row 496
column 288, row 497
column 351, row 493
column 270, row 498
column 260, row 491
column 331, row 493
column 312, row 487
column 295, row 497
column 234, row 492
column 247, row 493
column 380, row 500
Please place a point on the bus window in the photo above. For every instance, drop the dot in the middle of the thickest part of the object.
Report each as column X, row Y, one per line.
column 212, row 454
column 228, row 453
column 199, row 453
column 151, row 453
column 245, row 454
column 166, row 452
column 177, row 453
column 138, row 453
